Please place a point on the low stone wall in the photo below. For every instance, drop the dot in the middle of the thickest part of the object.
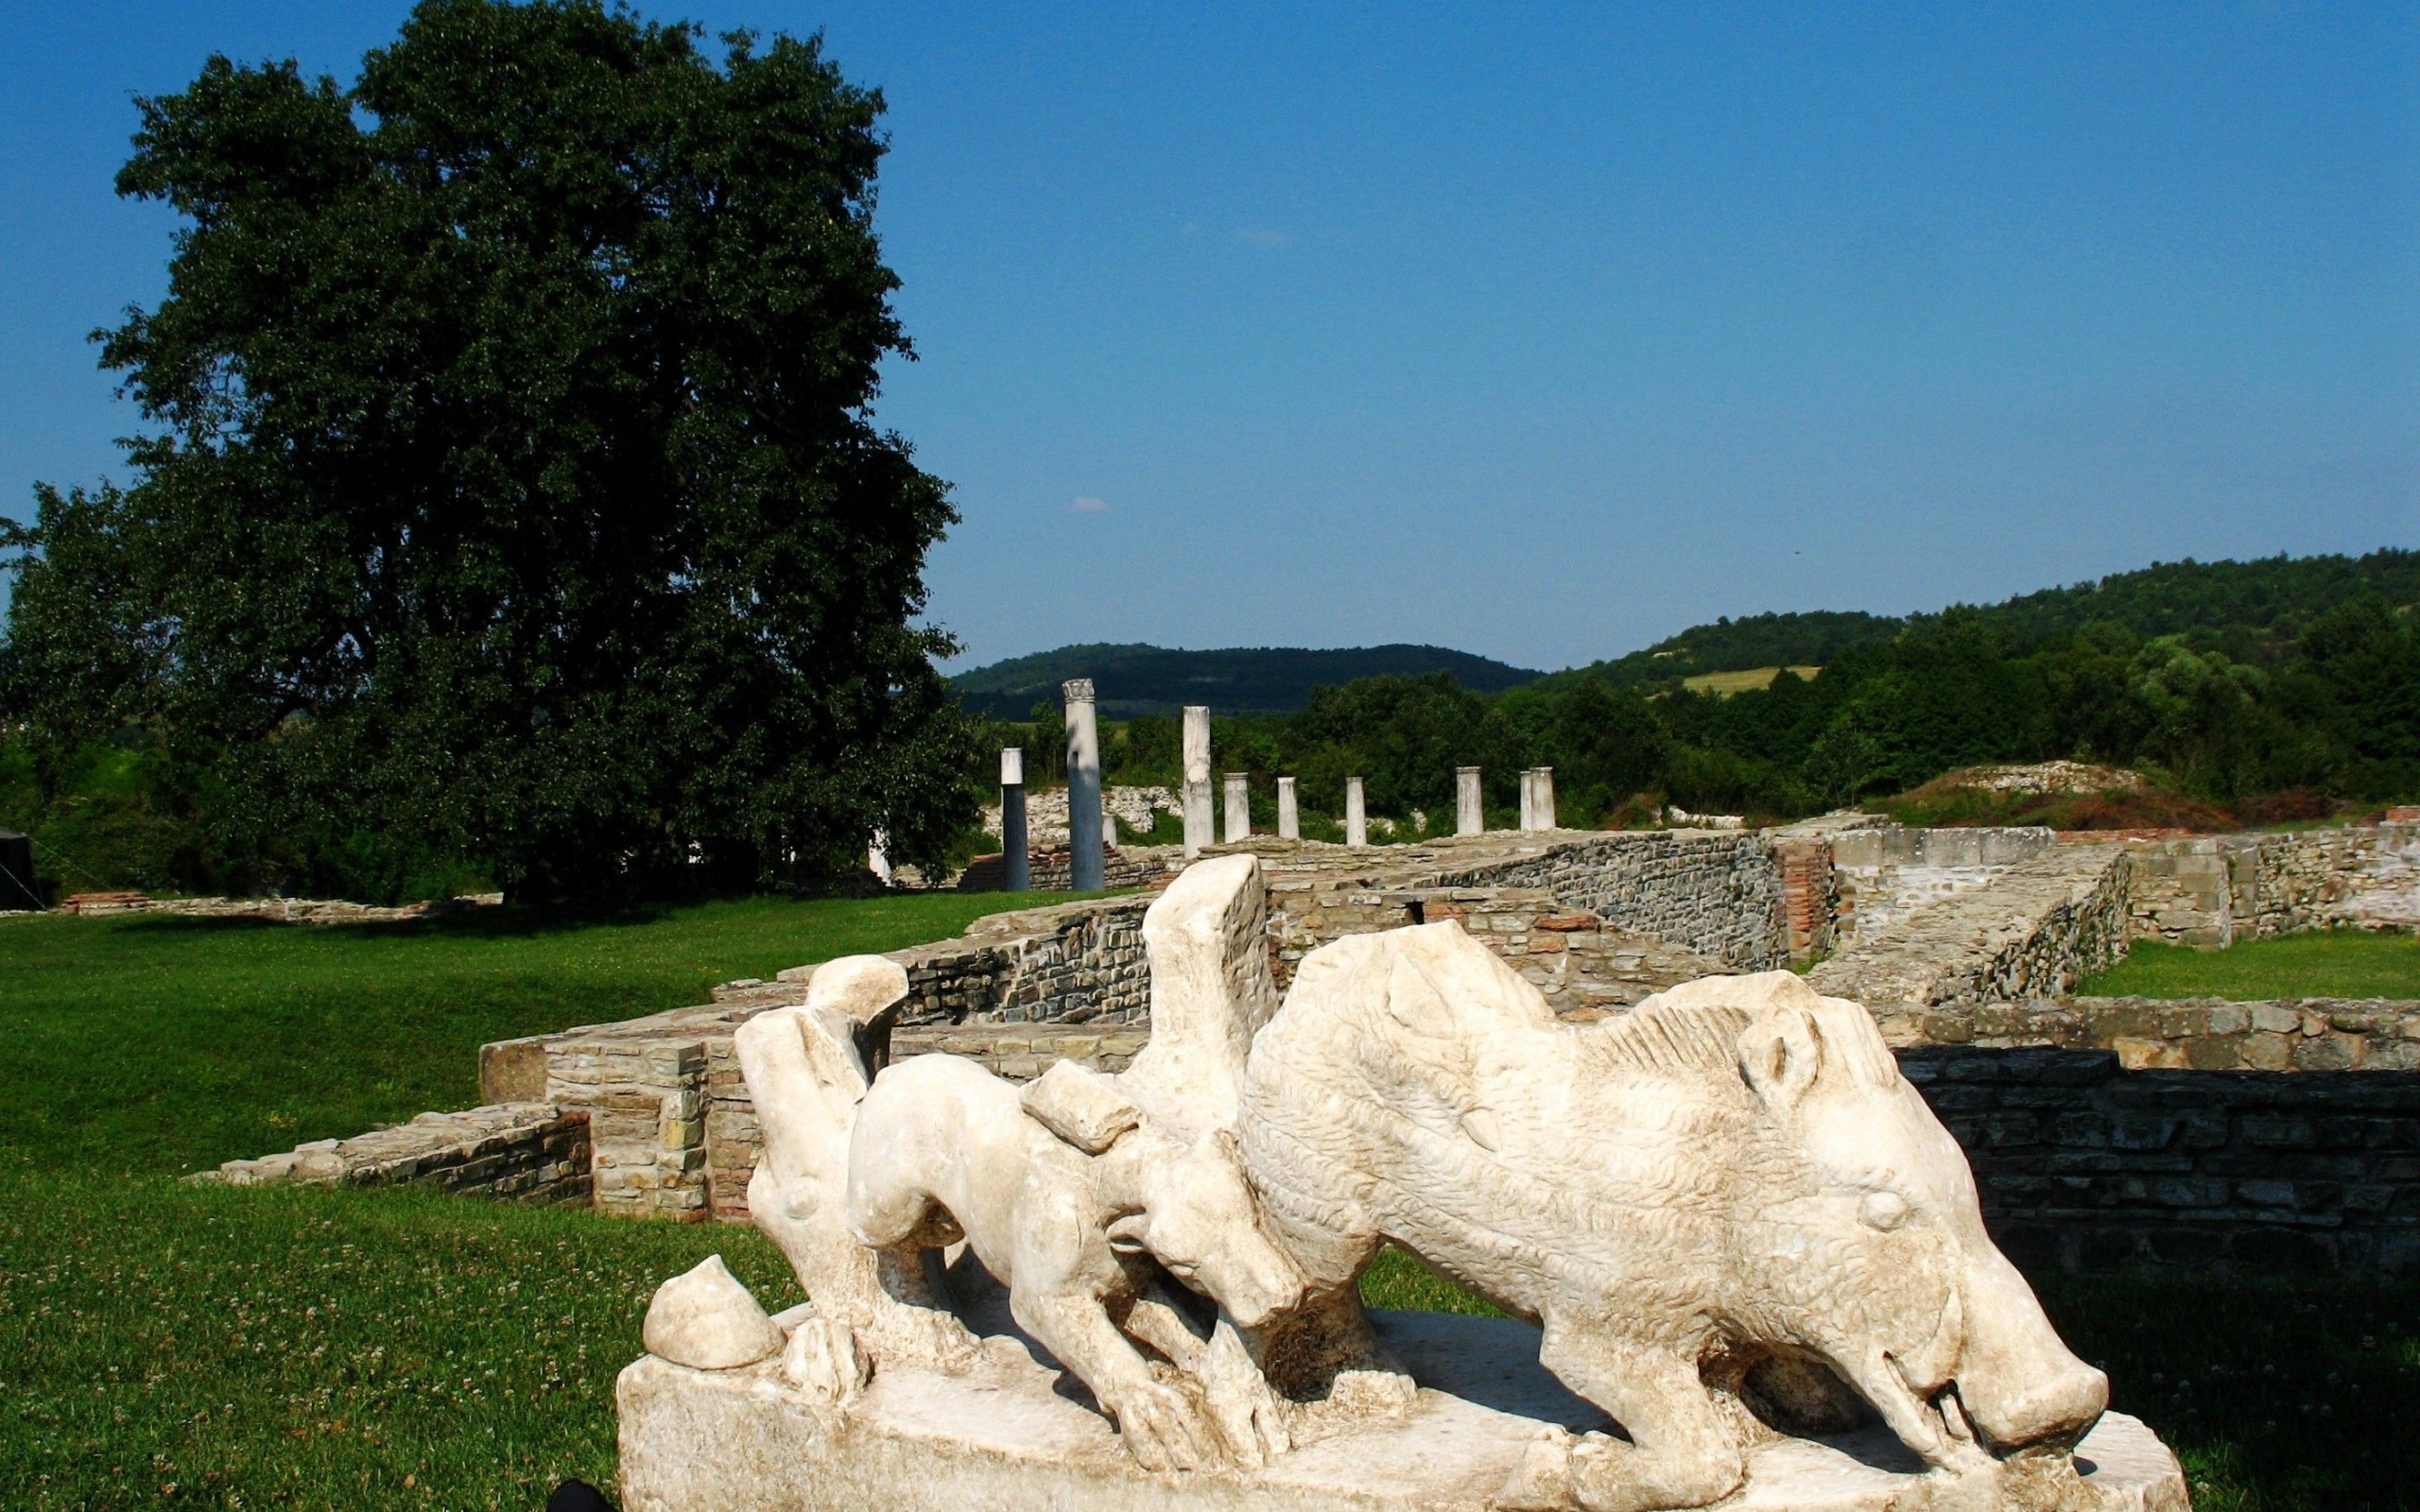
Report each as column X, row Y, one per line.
column 1883, row 874
column 283, row 910
column 1054, row 870
column 2043, row 923
column 2083, row 1165
column 1719, row 894
column 1076, row 962
column 1584, row 966
column 514, row 1152
column 2213, row 889
column 2188, row 1034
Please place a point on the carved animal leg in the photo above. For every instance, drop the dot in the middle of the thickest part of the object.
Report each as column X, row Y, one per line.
column 1680, row 1454
column 882, row 1296
column 1242, row 1407
column 1155, row 1421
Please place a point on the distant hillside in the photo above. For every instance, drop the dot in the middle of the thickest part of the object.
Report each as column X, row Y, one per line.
column 1741, row 646
column 2245, row 604
column 1147, row 679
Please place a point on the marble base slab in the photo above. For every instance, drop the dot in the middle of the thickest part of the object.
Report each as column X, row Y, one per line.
column 1014, row 1435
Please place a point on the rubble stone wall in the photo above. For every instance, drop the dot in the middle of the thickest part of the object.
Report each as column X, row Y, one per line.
column 515, row 1152
column 2189, row 1034
column 2084, row 1165
column 1883, row 874
column 2043, row 923
column 2213, row 889
column 1583, row 966
column 1717, row 893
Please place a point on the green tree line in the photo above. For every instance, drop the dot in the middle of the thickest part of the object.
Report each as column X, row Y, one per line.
column 2324, row 704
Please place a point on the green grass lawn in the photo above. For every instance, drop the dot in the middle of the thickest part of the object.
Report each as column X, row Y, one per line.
column 151, row 1043
column 2337, row 964
column 169, row 1345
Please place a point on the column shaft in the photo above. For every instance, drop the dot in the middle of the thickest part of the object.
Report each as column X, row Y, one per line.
column 1083, row 786
column 1016, row 854
column 1470, row 817
column 1199, row 822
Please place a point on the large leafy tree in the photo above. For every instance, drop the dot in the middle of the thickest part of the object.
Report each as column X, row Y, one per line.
column 513, row 488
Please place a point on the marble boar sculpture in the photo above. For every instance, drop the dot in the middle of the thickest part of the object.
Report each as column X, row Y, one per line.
column 1736, row 1171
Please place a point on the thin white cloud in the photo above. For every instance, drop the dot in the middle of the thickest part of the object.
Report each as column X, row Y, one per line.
column 1263, row 236
column 1086, row 504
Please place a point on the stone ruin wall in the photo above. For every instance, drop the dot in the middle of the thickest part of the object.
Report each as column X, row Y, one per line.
column 1992, row 926
column 2212, row 891
column 2086, row 1166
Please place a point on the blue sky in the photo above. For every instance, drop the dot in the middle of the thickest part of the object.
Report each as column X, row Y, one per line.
column 1541, row 333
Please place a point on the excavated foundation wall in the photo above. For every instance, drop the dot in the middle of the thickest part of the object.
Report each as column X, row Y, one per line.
column 2084, row 1165
column 2000, row 921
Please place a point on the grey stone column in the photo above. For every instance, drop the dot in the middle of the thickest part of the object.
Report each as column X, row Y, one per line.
column 1083, row 786
column 1201, row 824
column 1539, row 789
column 1239, row 806
column 1470, row 816
column 1016, row 850
column 1289, row 818
column 1356, row 818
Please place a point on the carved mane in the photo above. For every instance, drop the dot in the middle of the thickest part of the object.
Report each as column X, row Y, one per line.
column 1669, row 1036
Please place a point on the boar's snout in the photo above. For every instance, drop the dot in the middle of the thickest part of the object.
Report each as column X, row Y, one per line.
column 2053, row 1411
column 2017, row 1380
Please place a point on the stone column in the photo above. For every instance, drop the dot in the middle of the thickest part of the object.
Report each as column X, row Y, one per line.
column 1016, row 850
column 1542, row 798
column 1470, row 817
column 1356, row 819
column 1290, row 818
column 1201, row 827
column 1083, row 786
column 1239, row 806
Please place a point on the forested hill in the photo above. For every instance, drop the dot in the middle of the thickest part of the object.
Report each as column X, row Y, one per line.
column 2240, row 606
column 1147, row 680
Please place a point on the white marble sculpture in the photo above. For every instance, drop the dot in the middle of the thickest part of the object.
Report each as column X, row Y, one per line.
column 1733, row 1173
column 1749, row 1255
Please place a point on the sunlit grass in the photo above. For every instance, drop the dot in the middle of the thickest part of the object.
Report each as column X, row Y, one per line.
column 142, row 1044
column 2334, row 964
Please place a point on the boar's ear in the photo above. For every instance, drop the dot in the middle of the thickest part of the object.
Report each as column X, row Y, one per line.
column 1779, row 1055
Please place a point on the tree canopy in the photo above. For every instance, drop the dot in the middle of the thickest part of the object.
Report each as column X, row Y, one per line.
column 511, row 491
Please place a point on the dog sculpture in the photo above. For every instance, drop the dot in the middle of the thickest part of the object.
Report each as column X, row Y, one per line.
column 1734, row 1171
column 943, row 1149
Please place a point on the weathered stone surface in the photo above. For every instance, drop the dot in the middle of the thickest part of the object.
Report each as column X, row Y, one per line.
column 517, row 1152
column 745, row 1442
column 705, row 1320
column 2086, row 1165
column 2042, row 923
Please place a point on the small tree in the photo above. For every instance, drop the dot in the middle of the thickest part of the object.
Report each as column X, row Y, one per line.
column 514, row 490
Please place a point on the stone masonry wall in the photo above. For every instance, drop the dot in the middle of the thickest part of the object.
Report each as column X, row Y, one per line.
column 2189, row 1034
column 1717, row 893
column 2083, row 1165
column 1884, row 873
column 1583, row 966
column 514, row 1152
column 2212, row 889
column 2042, row 924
